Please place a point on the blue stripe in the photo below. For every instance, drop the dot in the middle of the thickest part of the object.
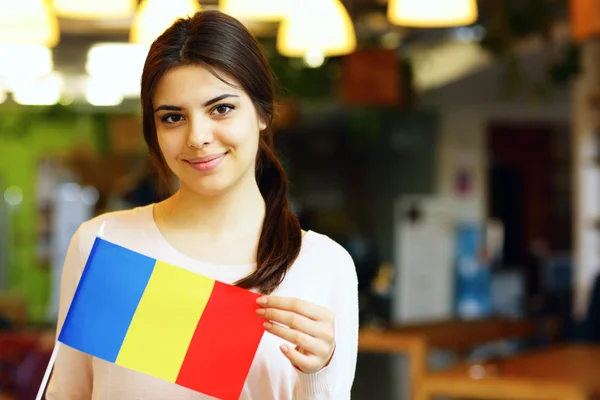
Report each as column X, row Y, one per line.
column 106, row 299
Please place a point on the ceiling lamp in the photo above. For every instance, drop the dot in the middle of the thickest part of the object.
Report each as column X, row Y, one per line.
column 153, row 17
column 28, row 22
column 110, row 59
column 25, row 60
column 117, row 65
column 102, row 93
column 42, row 91
column 316, row 26
column 432, row 13
column 256, row 10
column 91, row 9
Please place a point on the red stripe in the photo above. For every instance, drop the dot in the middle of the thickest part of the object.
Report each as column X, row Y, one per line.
column 224, row 344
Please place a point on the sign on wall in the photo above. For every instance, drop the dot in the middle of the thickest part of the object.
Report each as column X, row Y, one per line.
column 424, row 247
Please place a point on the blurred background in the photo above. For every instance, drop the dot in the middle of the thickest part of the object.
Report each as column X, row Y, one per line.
column 451, row 146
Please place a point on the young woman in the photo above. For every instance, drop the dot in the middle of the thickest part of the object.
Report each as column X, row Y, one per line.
column 207, row 99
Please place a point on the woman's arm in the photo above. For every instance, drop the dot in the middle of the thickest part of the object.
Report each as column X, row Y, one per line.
column 334, row 382
column 326, row 337
column 72, row 375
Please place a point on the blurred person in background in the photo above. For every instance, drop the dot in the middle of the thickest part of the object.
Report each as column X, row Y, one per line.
column 207, row 99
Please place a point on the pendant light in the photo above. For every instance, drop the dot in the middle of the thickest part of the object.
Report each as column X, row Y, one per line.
column 95, row 9
column 316, row 26
column 28, row 22
column 256, row 10
column 153, row 17
column 432, row 13
column 25, row 60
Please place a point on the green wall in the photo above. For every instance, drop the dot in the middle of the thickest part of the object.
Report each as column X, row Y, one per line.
column 25, row 136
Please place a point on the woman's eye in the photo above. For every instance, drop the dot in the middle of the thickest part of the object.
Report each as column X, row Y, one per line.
column 223, row 109
column 172, row 118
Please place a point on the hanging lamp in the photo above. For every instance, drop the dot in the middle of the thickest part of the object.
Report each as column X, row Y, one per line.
column 317, row 27
column 432, row 13
column 95, row 9
column 28, row 22
column 153, row 17
column 256, row 10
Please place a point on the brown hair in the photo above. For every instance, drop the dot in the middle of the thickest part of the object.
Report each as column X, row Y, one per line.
column 220, row 43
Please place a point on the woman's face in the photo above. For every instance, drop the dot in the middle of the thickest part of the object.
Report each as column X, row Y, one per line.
column 208, row 131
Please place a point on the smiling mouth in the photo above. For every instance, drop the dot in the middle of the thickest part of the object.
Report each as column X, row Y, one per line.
column 207, row 163
column 206, row 158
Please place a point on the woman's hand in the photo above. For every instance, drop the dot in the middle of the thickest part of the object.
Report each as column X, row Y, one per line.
column 310, row 327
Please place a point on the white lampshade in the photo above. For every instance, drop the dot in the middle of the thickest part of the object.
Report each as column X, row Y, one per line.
column 25, row 60
column 92, row 9
column 432, row 13
column 99, row 92
column 256, row 10
column 316, row 26
column 118, row 66
column 110, row 59
column 40, row 91
column 28, row 22
column 153, row 17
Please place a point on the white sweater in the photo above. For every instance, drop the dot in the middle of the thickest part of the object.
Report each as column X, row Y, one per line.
column 323, row 273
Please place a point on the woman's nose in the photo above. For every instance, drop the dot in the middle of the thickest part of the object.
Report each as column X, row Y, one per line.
column 200, row 134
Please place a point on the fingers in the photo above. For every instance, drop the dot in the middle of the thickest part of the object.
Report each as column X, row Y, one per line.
column 309, row 326
column 294, row 321
column 309, row 310
column 308, row 343
column 303, row 362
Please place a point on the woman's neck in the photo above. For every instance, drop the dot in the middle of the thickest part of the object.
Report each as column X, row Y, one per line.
column 238, row 213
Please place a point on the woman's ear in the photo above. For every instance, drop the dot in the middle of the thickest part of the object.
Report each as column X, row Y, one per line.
column 262, row 125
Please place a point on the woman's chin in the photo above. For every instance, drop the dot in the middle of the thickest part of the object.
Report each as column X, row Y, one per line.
column 207, row 188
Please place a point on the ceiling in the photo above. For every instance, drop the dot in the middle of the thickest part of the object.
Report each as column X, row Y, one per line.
column 439, row 57
column 369, row 17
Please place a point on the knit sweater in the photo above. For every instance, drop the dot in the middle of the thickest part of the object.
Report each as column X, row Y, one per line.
column 324, row 274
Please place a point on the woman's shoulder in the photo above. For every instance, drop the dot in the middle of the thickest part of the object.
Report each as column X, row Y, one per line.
column 321, row 250
column 320, row 242
column 323, row 271
column 118, row 225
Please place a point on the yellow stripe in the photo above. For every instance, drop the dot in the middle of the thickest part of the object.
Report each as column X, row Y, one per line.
column 164, row 322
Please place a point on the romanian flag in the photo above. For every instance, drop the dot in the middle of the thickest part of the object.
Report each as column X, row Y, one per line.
column 164, row 321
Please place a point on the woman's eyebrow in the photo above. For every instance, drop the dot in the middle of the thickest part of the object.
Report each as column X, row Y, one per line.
column 218, row 98
column 167, row 107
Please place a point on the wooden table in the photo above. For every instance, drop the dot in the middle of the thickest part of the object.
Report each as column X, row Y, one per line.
column 557, row 373
column 415, row 340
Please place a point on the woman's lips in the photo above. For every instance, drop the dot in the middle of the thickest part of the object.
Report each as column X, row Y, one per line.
column 208, row 163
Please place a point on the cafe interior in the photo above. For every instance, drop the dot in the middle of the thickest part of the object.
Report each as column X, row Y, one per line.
column 452, row 147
